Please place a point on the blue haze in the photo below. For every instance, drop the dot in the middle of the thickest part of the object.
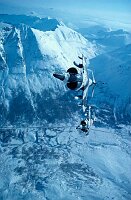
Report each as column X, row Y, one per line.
column 71, row 11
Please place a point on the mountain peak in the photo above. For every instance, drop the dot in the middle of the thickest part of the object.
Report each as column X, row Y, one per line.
column 31, row 49
column 42, row 24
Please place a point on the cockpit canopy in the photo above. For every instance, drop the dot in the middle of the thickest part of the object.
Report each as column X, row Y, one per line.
column 75, row 79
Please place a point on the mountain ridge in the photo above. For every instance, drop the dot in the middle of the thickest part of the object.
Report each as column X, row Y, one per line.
column 30, row 56
column 32, row 21
column 113, row 70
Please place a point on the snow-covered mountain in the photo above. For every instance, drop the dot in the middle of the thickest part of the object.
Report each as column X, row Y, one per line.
column 112, row 71
column 106, row 38
column 31, row 49
column 43, row 24
column 52, row 159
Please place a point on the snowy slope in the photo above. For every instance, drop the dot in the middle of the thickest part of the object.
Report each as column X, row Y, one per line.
column 30, row 53
column 114, row 70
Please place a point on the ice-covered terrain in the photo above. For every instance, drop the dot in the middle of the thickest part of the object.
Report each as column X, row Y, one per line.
column 58, row 162
column 42, row 154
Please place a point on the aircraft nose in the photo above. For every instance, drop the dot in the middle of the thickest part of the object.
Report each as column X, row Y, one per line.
column 59, row 76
